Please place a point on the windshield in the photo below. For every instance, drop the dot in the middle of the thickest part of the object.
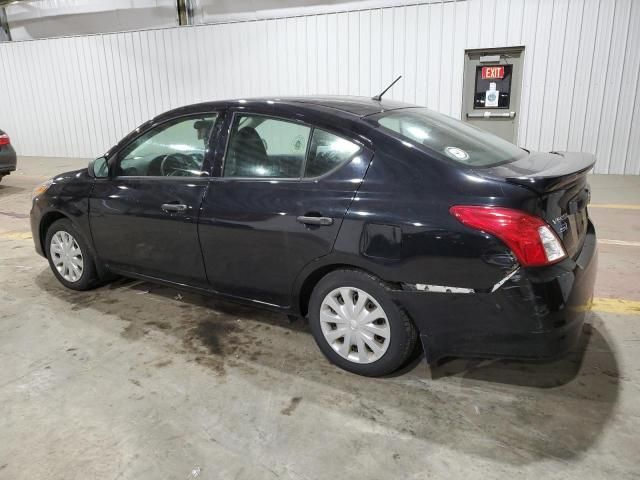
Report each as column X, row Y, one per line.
column 450, row 138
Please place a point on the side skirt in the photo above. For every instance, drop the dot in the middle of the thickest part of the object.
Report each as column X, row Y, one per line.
column 203, row 291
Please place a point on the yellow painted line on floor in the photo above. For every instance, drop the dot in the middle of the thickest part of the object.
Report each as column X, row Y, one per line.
column 615, row 205
column 16, row 235
column 616, row 305
column 625, row 243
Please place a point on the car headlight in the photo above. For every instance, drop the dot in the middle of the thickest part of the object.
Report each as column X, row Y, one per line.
column 40, row 189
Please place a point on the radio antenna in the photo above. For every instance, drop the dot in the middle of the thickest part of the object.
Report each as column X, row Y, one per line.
column 377, row 98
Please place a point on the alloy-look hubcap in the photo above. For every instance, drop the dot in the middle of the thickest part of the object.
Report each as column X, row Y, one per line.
column 355, row 325
column 66, row 256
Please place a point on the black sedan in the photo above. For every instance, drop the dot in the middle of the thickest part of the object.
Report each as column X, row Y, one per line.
column 7, row 155
column 381, row 222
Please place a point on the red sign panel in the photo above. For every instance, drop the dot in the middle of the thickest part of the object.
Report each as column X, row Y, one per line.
column 490, row 73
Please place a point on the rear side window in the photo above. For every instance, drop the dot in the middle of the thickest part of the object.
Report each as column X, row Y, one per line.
column 450, row 138
column 327, row 152
column 261, row 146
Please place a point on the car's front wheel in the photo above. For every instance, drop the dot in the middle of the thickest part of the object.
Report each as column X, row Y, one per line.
column 69, row 256
column 358, row 326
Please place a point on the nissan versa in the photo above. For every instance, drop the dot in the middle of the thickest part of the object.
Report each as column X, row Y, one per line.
column 380, row 221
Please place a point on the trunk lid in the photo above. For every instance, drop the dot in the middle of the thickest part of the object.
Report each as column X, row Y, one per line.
column 559, row 179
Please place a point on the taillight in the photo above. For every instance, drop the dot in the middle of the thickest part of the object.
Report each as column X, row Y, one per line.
column 4, row 139
column 530, row 238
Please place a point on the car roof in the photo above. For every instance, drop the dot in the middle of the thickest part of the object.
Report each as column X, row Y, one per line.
column 358, row 106
column 351, row 106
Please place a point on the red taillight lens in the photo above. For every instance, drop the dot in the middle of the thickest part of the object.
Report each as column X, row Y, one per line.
column 530, row 238
column 4, row 139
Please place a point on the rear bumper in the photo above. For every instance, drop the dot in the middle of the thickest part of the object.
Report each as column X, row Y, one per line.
column 8, row 160
column 537, row 313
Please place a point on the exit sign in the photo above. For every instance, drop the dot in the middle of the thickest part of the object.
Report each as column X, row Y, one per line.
column 490, row 73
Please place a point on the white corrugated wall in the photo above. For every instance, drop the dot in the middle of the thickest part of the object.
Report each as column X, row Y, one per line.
column 77, row 96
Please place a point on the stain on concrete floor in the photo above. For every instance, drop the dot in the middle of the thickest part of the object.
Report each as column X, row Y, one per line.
column 293, row 404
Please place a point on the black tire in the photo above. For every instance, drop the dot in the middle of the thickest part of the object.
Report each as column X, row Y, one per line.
column 89, row 278
column 403, row 333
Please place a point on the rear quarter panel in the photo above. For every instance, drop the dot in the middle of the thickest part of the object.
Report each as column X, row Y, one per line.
column 411, row 192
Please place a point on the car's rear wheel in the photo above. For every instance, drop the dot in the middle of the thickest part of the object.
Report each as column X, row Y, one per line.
column 69, row 256
column 357, row 325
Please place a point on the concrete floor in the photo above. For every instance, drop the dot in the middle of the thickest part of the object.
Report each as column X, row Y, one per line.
column 134, row 381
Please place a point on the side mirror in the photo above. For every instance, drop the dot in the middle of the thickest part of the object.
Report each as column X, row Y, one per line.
column 99, row 168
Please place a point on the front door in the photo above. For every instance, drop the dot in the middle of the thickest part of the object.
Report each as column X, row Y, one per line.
column 491, row 94
column 144, row 215
column 278, row 204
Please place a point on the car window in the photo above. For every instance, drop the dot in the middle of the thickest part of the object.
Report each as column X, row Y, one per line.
column 450, row 138
column 176, row 148
column 328, row 151
column 262, row 146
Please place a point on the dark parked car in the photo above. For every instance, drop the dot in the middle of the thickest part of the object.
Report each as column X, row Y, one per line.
column 7, row 156
column 380, row 221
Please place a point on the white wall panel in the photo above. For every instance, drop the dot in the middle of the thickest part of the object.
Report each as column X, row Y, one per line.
column 625, row 154
column 613, row 84
column 461, row 19
column 567, row 74
column 514, row 22
column 555, row 62
column 434, row 56
column 375, row 50
column 598, row 82
column 528, row 31
column 77, row 96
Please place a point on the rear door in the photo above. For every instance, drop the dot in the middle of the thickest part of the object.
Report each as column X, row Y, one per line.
column 277, row 205
column 144, row 215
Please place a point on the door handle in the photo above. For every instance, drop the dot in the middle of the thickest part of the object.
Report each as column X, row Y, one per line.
column 315, row 220
column 173, row 207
